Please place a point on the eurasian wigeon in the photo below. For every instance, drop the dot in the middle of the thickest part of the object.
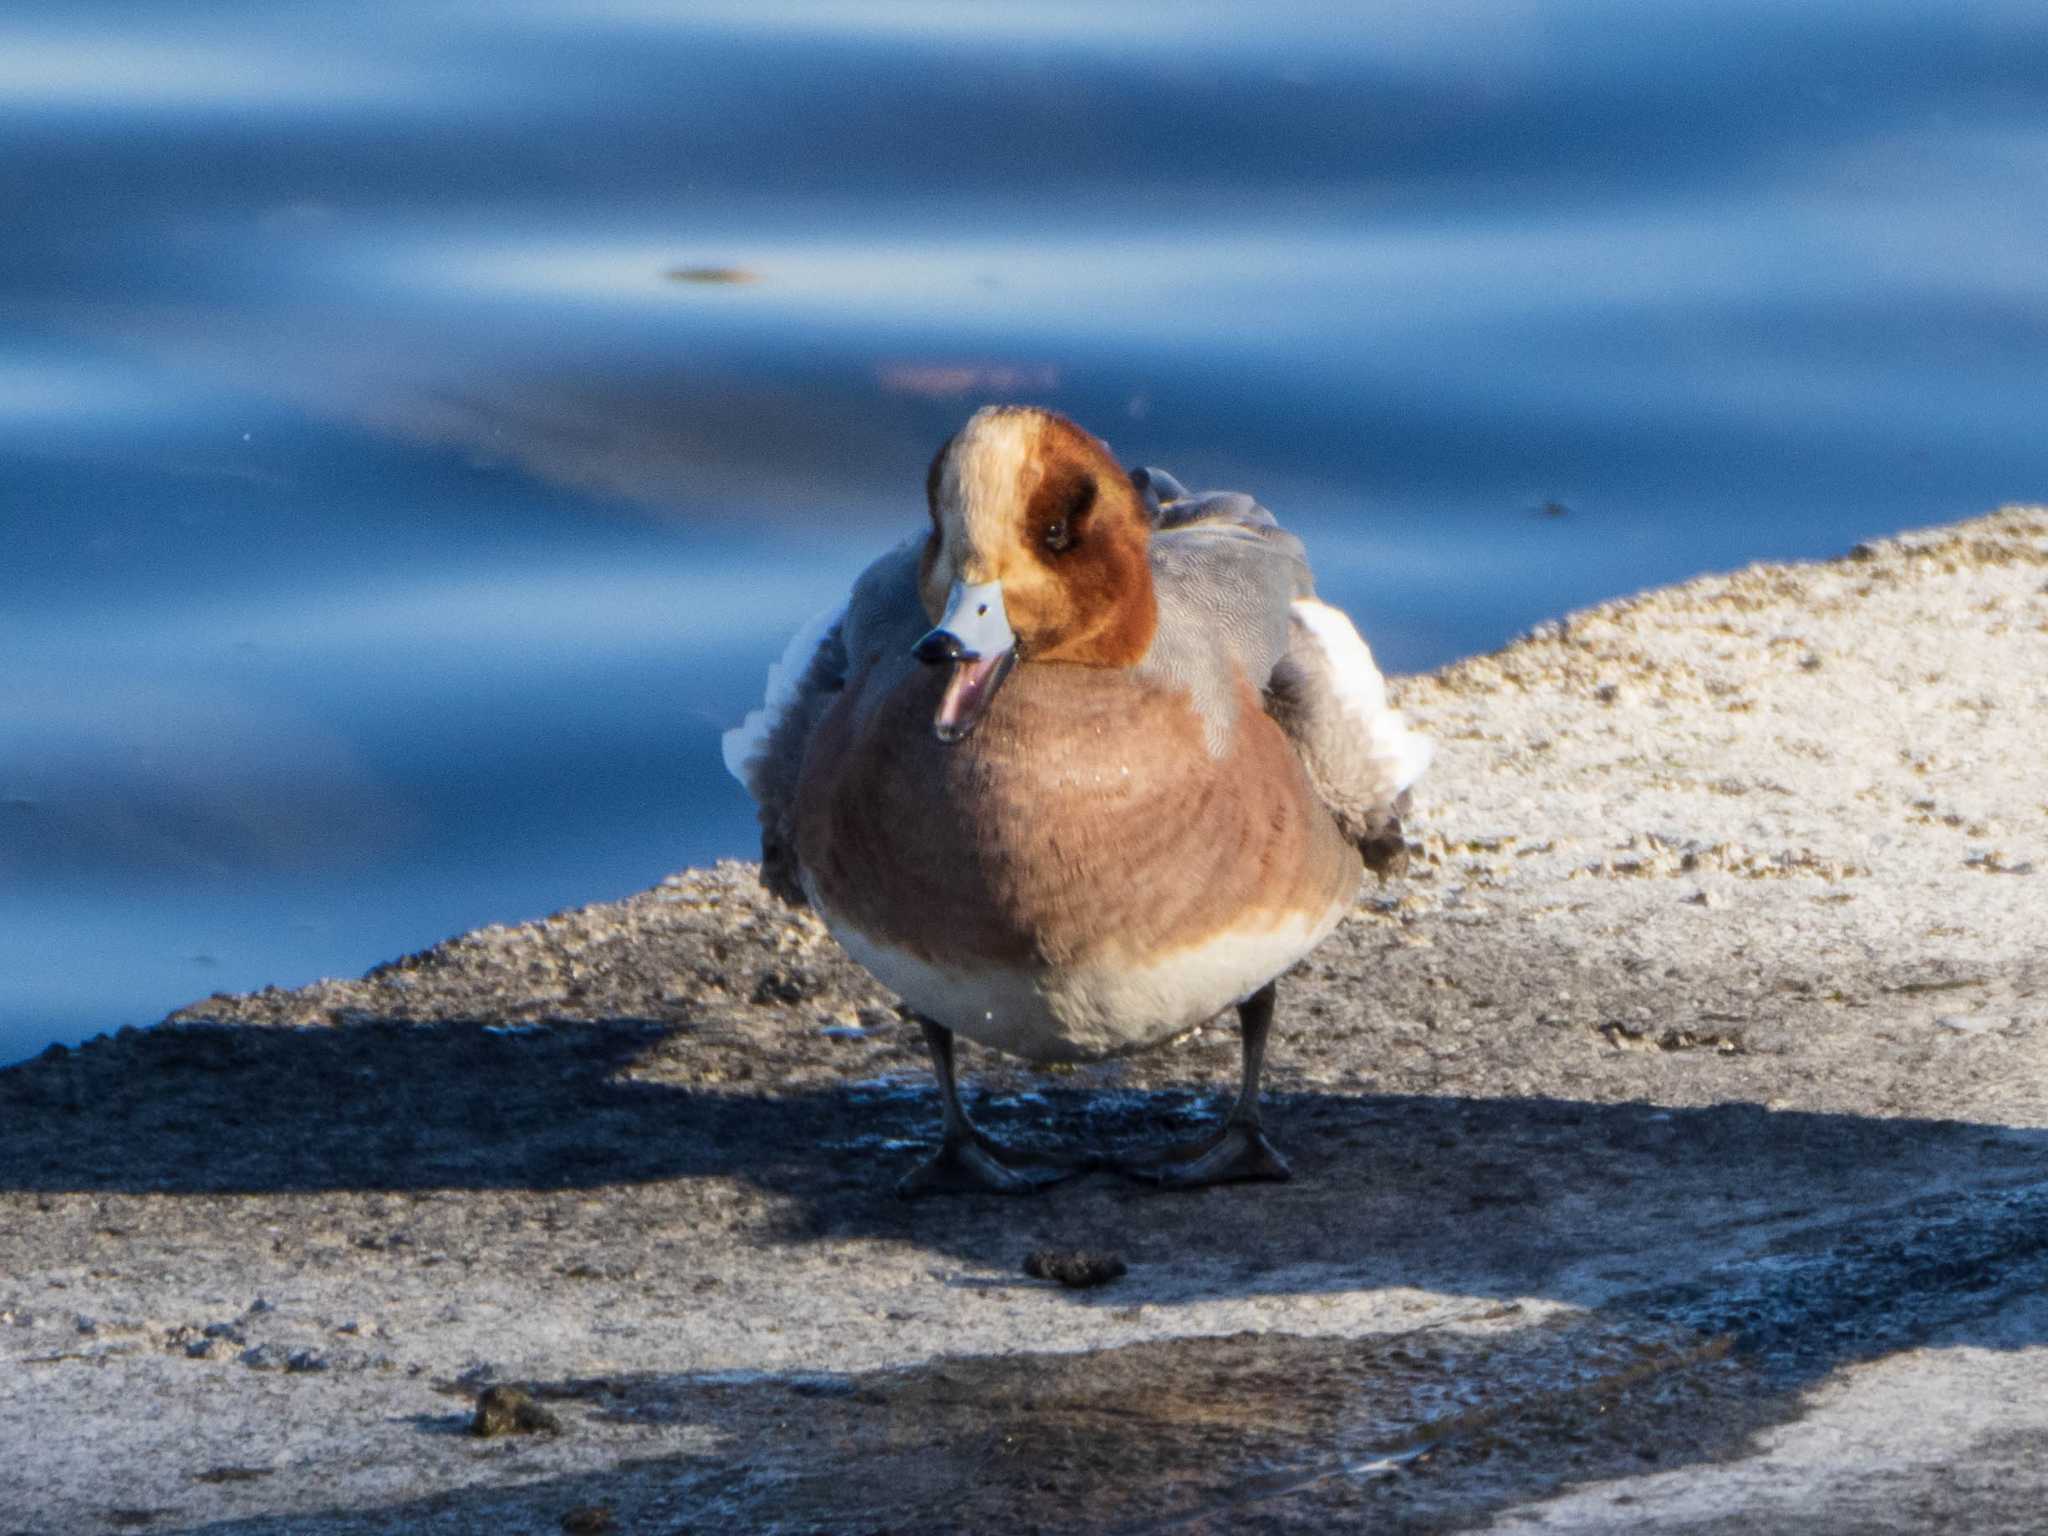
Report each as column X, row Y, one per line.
column 1077, row 769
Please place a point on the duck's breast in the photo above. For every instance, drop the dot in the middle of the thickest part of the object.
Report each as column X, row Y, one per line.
column 1083, row 874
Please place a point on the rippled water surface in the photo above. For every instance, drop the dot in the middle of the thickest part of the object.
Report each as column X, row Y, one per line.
column 421, row 424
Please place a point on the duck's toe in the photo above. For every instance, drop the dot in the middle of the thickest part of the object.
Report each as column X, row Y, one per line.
column 977, row 1166
column 1239, row 1153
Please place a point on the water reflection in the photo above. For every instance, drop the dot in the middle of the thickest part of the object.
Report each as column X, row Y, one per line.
column 102, row 73
column 391, row 529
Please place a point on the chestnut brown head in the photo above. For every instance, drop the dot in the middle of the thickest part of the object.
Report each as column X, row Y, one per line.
column 1025, row 500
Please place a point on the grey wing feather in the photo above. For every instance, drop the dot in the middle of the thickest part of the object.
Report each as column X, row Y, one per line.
column 1225, row 572
column 1157, row 488
column 1235, row 591
column 766, row 751
column 780, row 765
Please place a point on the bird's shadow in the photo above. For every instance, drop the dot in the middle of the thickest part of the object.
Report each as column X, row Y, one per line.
column 1478, row 1196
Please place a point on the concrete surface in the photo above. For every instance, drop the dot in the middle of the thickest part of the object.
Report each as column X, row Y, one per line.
column 1669, row 1153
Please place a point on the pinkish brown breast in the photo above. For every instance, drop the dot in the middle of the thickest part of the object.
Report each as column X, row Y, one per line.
column 1084, row 822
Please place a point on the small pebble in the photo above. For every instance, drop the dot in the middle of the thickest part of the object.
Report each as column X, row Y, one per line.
column 1075, row 1268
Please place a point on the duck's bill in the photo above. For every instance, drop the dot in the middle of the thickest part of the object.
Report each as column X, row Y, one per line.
column 969, row 687
column 974, row 641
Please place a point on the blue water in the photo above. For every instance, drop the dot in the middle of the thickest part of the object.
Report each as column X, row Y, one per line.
column 393, row 514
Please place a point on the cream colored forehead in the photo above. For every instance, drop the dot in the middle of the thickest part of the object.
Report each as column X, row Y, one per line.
column 988, row 477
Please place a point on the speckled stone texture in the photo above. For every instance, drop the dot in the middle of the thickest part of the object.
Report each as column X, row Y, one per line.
column 1670, row 1150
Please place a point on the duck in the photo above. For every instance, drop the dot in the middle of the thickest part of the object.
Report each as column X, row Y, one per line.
column 1079, row 767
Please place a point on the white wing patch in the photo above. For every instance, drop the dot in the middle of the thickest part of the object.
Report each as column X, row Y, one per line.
column 1362, row 692
column 745, row 741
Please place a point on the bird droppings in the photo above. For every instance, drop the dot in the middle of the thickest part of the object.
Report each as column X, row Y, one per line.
column 1076, row 1268
column 506, row 1410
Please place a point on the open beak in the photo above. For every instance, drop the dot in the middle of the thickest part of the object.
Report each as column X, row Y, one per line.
column 974, row 639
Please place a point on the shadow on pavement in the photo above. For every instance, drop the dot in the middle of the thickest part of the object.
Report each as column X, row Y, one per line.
column 1729, row 1258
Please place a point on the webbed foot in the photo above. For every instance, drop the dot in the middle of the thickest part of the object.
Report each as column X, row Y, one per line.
column 1239, row 1153
column 974, row 1165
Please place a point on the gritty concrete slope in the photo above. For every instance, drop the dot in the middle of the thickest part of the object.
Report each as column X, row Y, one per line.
column 1671, row 1154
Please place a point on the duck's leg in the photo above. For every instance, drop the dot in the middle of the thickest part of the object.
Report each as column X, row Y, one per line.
column 967, row 1161
column 1239, row 1150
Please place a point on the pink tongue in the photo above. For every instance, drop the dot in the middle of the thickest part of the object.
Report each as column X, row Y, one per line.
column 969, row 687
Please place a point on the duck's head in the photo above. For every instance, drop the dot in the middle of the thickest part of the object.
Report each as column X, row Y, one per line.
column 1037, row 554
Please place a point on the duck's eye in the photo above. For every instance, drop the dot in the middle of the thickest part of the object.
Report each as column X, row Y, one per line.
column 1062, row 530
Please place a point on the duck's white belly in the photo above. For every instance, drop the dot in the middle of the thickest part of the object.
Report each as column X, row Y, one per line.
column 1101, row 1007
